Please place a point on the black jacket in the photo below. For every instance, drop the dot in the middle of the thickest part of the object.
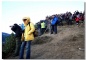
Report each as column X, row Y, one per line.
column 17, row 29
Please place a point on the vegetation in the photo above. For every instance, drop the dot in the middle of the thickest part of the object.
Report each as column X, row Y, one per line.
column 9, row 45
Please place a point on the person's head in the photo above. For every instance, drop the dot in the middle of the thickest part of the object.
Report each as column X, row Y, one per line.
column 26, row 20
column 14, row 27
column 52, row 16
column 47, row 18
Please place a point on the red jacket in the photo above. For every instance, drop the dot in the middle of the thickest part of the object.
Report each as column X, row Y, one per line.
column 77, row 19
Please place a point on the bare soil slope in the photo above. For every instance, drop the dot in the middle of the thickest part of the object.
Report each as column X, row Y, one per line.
column 68, row 43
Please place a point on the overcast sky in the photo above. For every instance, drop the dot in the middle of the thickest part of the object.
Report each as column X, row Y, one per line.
column 14, row 11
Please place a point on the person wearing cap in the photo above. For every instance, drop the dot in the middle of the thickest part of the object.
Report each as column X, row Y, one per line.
column 28, row 37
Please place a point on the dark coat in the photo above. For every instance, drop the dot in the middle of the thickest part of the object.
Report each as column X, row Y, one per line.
column 17, row 29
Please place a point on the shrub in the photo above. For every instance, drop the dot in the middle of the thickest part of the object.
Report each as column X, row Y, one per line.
column 9, row 45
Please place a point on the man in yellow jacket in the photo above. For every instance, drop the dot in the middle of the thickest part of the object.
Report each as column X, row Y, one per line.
column 28, row 37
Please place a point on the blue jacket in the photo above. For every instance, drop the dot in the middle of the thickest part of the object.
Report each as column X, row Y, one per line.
column 54, row 21
column 22, row 26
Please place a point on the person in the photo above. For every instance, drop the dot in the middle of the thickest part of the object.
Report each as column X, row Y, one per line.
column 60, row 23
column 77, row 20
column 77, row 12
column 81, row 17
column 54, row 24
column 70, row 19
column 67, row 19
column 28, row 37
column 23, row 30
column 49, row 23
column 22, row 27
column 39, row 28
column 18, row 32
column 43, row 27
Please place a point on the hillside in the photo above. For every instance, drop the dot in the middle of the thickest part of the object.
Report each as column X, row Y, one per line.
column 68, row 43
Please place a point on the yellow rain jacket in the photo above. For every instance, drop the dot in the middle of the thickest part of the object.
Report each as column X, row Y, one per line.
column 28, row 34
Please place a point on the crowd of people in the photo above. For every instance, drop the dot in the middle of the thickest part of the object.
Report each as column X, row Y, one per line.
column 24, row 34
column 68, row 18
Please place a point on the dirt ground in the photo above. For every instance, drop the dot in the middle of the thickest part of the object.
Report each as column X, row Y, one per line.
column 68, row 43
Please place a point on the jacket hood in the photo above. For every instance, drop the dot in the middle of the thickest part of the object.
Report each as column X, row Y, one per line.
column 28, row 20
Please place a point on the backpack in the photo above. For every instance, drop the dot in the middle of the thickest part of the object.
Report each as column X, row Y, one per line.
column 35, row 33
